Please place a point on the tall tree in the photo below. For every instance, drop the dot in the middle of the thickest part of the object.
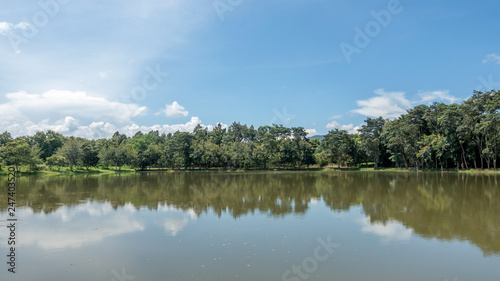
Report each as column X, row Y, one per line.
column 90, row 155
column 5, row 137
column 72, row 152
column 17, row 153
column 370, row 134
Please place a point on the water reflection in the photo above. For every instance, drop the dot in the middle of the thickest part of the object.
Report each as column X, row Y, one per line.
column 390, row 231
column 75, row 226
column 395, row 206
column 176, row 220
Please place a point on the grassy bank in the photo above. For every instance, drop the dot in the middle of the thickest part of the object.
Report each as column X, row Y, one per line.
column 65, row 171
column 91, row 171
column 413, row 170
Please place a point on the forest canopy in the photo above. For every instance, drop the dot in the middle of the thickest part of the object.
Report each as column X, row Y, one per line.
column 439, row 136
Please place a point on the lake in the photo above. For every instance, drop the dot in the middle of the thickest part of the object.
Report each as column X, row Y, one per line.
column 255, row 226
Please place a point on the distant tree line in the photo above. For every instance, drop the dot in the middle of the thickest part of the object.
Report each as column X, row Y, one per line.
column 439, row 136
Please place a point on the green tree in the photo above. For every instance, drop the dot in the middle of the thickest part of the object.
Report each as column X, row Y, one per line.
column 179, row 149
column 489, row 127
column 448, row 122
column 432, row 149
column 119, row 156
column 90, row 155
column 57, row 161
column 48, row 142
column 17, row 153
column 370, row 134
column 72, row 152
column 5, row 137
column 147, row 148
column 336, row 147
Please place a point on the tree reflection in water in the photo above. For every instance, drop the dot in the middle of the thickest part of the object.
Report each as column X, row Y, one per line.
column 443, row 206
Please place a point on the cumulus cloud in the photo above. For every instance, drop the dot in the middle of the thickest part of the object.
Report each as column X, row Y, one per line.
column 105, row 130
column 6, row 27
column 95, row 130
column 311, row 132
column 492, row 58
column 350, row 128
column 386, row 104
column 80, row 114
column 174, row 110
column 432, row 96
column 60, row 104
column 167, row 128
column 394, row 104
column 64, row 125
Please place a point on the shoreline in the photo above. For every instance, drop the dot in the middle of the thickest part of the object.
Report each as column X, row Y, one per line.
column 97, row 171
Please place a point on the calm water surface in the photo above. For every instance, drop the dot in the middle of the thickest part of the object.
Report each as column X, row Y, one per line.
column 256, row 226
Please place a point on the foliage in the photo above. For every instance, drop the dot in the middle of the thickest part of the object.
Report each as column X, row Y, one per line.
column 72, row 152
column 19, row 153
column 57, row 161
column 90, row 155
column 426, row 137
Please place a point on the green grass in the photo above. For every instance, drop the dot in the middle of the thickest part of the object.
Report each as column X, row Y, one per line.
column 45, row 171
column 65, row 171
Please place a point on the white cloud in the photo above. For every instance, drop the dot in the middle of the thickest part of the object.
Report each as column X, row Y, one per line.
column 492, row 58
column 6, row 27
column 17, row 128
column 186, row 127
column 57, row 104
column 394, row 104
column 106, row 130
column 67, row 124
column 431, row 96
column 311, row 132
column 95, row 130
column 386, row 104
column 80, row 114
column 350, row 128
column 174, row 110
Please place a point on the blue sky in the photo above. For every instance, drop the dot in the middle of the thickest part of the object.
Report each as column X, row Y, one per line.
column 90, row 68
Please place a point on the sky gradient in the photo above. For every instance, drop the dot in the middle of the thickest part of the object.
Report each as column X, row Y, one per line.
column 90, row 68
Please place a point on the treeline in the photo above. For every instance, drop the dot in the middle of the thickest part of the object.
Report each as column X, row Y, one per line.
column 441, row 136
column 237, row 147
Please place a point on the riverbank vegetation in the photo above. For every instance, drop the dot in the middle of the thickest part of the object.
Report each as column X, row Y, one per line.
column 439, row 136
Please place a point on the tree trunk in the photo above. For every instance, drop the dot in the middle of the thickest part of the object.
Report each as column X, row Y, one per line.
column 463, row 156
